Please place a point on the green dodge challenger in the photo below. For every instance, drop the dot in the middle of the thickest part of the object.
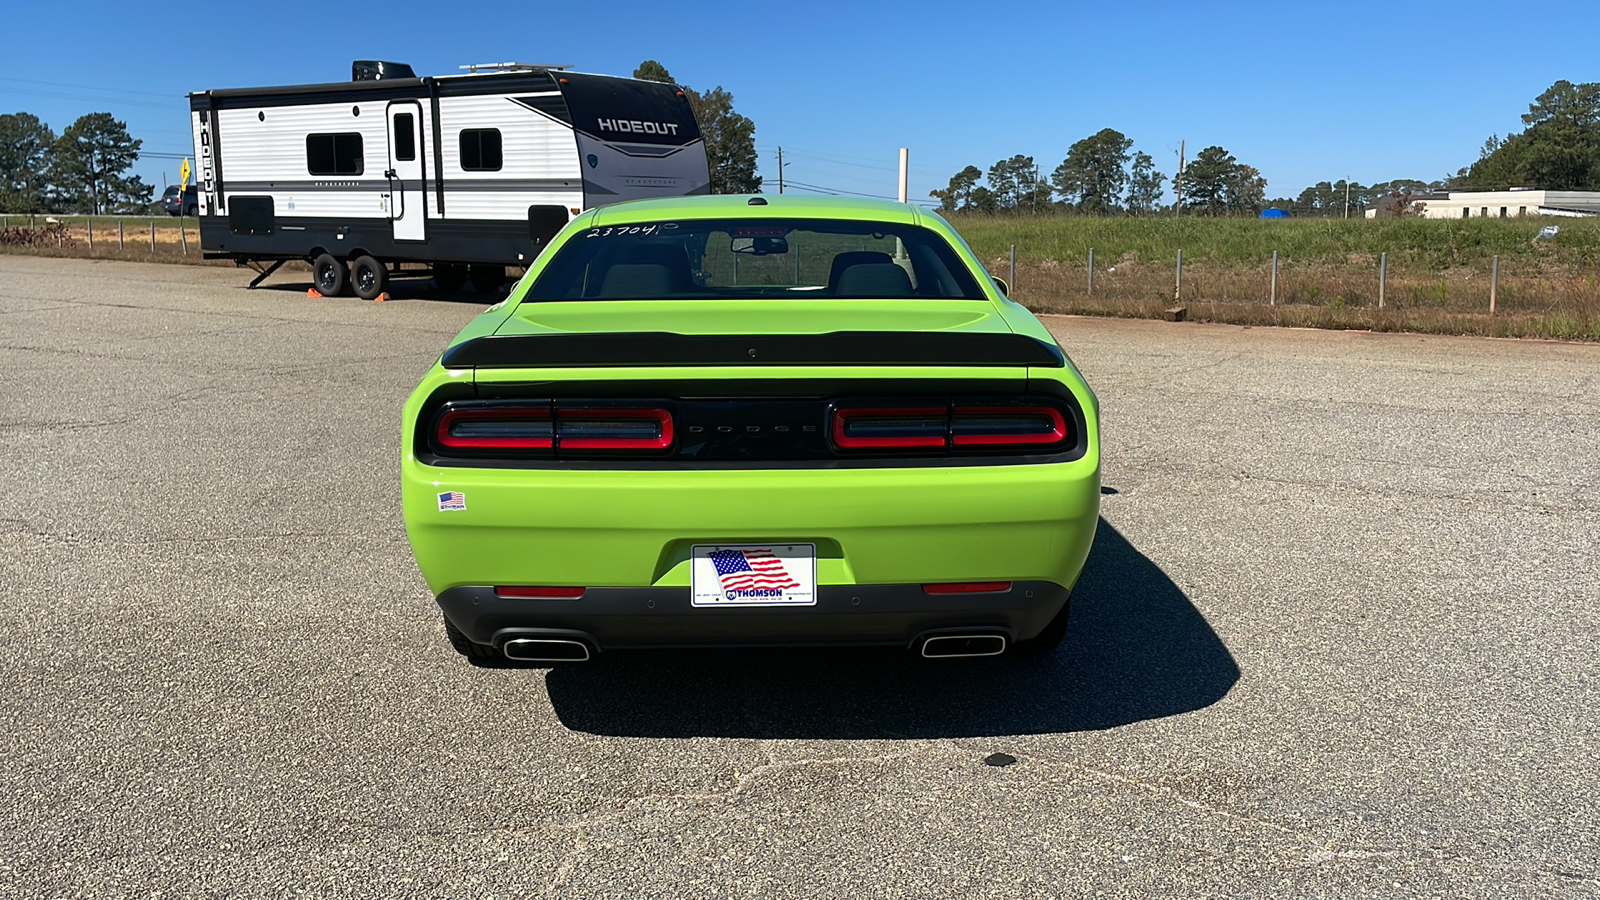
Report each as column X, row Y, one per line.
column 752, row 421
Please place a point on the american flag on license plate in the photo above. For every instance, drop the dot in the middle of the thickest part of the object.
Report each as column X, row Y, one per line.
column 750, row 570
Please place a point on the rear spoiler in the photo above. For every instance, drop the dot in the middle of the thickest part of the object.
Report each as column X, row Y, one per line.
column 838, row 348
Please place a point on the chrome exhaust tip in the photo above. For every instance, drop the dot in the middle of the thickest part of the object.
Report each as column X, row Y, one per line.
column 953, row 645
column 545, row 650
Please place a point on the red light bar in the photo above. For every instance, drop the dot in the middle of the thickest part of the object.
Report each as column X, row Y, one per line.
column 929, row 419
column 1006, row 425
column 630, row 429
column 535, row 592
column 967, row 587
column 496, row 429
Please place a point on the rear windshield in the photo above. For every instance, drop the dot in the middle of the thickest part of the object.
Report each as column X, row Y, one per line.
column 755, row 258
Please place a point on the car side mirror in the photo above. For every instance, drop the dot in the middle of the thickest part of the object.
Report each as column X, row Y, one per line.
column 1001, row 284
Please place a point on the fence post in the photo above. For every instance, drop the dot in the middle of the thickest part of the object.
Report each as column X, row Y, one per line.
column 1013, row 282
column 1383, row 276
column 120, row 244
column 89, row 224
column 1272, row 300
column 1091, row 271
column 1177, row 284
column 152, row 235
column 1494, row 283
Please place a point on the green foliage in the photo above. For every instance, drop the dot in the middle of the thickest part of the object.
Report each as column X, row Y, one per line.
column 1559, row 151
column 89, row 163
column 25, row 145
column 1218, row 184
column 958, row 195
column 1094, row 175
column 650, row 70
column 730, row 137
column 1412, row 243
column 1144, row 186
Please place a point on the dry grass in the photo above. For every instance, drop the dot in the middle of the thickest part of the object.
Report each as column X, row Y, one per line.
column 1554, row 301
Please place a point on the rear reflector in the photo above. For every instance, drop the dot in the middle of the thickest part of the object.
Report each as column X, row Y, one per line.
column 977, row 426
column 531, row 592
column 898, row 426
column 967, row 587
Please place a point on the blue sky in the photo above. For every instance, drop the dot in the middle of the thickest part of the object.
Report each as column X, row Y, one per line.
column 1303, row 92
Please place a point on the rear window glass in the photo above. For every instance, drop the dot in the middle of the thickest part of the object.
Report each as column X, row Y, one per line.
column 755, row 258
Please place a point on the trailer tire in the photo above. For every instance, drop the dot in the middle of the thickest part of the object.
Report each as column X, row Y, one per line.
column 487, row 279
column 449, row 277
column 329, row 275
column 368, row 277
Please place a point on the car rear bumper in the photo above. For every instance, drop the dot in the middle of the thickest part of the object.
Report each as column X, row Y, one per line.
column 844, row 615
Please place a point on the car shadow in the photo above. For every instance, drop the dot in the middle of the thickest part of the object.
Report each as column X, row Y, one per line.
column 1136, row 649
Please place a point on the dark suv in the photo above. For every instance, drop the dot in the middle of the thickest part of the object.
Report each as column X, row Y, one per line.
column 189, row 205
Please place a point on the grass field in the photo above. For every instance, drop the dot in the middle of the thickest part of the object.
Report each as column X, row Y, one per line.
column 1438, row 277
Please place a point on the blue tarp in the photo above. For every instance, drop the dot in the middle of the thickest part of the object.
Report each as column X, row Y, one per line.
column 1274, row 214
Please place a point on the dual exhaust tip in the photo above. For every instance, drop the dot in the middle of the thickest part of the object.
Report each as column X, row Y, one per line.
column 569, row 650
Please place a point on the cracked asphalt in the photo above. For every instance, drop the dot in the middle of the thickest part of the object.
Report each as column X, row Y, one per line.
column 1339, row 637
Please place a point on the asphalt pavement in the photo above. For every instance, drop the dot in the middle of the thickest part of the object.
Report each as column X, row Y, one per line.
column 1338, row 637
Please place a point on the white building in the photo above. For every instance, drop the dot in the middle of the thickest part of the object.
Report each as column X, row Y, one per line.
column 1505, row 204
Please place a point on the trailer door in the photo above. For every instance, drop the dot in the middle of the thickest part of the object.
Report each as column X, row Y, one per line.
column 406, row 189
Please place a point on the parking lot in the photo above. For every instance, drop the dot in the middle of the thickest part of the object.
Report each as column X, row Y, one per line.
column 1338, row 637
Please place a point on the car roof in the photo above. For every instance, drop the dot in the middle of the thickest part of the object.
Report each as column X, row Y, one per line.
column 773, row 206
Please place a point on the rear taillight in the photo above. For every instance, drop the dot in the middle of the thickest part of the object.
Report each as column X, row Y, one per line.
column 613, row 429
column 537, row 592
column 963, row 426
column 515, row 428
column 497, row 428
column 890, row 426
column 999, row 426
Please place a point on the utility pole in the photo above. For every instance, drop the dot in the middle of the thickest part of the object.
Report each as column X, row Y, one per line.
column 1177, row 183
column 780, row 170
column 1347, row 198
column 905, row 172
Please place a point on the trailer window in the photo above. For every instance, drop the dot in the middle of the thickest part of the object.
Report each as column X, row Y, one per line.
column 480, row 150
column 334, row 154
column 405, row 138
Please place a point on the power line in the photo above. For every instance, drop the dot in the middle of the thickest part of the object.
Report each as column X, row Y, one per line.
column 108, row 101
column 88, row 87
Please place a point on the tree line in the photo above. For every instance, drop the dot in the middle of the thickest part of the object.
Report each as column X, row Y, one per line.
column 82, row 170
column 1101, row 175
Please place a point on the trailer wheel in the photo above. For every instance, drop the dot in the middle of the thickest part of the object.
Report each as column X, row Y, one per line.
column 330, row 275
column 487, row 279
column 368, row 277
column 449, row 276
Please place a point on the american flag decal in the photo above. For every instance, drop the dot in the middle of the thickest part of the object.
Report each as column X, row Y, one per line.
column 751, row 570
column 452, row 500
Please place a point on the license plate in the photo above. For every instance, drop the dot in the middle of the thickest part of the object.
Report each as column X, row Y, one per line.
column 755, row 575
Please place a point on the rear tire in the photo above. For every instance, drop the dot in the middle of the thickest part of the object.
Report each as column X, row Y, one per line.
column 368, row 277
column 487, row 279
column 449, row 277
column 1047, row 640
column 465, row 646
column 329, row 275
